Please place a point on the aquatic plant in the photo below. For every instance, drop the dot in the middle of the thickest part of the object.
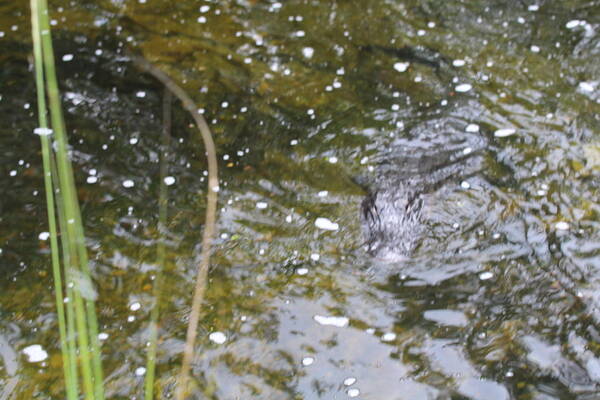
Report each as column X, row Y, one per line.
column 75, row 301
column 160, row 249
column 78, row 327
column 210, row 218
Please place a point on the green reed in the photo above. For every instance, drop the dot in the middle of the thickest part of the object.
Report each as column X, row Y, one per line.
column 78, row 327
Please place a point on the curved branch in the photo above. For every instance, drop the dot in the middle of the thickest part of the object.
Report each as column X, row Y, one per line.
column 211, row 209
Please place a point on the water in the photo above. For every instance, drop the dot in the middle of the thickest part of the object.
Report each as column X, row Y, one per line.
column 499, row 299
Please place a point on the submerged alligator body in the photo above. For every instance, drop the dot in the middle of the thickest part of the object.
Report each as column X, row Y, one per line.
column 436, row 151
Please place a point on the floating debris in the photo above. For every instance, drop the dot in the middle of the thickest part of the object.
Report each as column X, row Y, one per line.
column 401, row 66
column 562, row 226
column 505, row 132
column 586, row 86
column 217, row 337
column 462, row 88
column 484, row 276
column 308, row 52
column 35, row 353
column 472, row 128
column 349, row 381
column 326, row 224
column 306, row 361
column 340, row 322
column 43, row 131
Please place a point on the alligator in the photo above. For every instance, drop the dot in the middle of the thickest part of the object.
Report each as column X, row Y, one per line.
column 433, row 152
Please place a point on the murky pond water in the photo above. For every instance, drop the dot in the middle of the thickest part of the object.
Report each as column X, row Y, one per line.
column 473, row 127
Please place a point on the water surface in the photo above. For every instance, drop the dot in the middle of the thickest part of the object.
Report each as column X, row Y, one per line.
column 498, row 300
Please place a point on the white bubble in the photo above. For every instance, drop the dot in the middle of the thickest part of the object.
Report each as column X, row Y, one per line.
column 353, row 392
column 135, row 306
column 315, row 257
column 204, row 8
column 562, row 226
column 535, row 49
column 504, row 132
column 340, row 322
column 323, row 193
column 533, row 7
column 217, row 337
column 333, row 160
column 300, row 34
column 133, row 140
column 44, row 235
column 326, row 224
column 67, row 57
column 140, row 371
column 169, row 180
column 35, row 353
column 302, row 271
column 102, row 336
column 128, row 183
column 261, row 205
column 458, row 63
column 462, row 88
column 92, row 179
column 141, row 94
column 224, row 104
column 401, row 66
column 465, row 185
